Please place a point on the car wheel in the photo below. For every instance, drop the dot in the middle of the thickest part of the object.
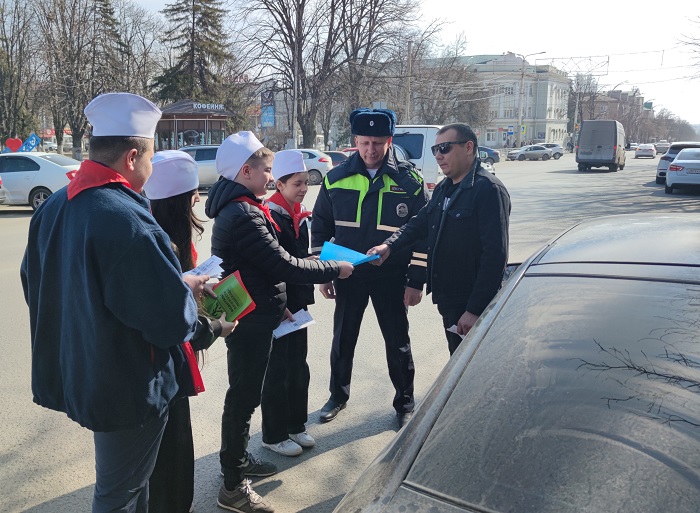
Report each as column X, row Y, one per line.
column 581, row 167
column 557, row 156
column 521, row 157
column 622, row 166
column 668, row 189
column 660, row 181
column 315, row 177
column 545, row 157
column 38, row 196
column 490, row 161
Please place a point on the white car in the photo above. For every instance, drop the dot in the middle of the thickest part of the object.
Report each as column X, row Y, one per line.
column 668, row 157
column 317, row 164
column 205, row 156
column 662, row 146
column 30, row 178
column 557, row 150
column 684, row 170
column 645, row 150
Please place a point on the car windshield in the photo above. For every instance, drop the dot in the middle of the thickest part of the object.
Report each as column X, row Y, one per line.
column 582, row 393
column 689, row 154
column 61, row 160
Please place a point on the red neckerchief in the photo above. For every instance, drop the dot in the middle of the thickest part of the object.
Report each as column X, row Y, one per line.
column 93, row 174
column 194, row 254
column 258, row 204
column 296, row 214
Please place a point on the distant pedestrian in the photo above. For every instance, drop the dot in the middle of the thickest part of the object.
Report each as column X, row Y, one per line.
column 109, row 309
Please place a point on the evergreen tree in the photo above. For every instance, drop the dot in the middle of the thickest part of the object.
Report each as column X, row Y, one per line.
column 197, row 37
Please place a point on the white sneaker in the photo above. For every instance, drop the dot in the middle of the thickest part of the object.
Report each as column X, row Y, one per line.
column 285, row 448
column 304, row 439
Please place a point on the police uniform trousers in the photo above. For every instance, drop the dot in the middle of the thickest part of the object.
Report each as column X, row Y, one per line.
column 352, row 296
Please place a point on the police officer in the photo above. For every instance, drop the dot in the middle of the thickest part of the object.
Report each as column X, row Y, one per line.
column 362, row 202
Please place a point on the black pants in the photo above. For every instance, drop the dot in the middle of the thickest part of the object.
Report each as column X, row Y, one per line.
column 248, row 353
column 451, row 312
column 285, row 397
column 352, row 297
column 171, row 487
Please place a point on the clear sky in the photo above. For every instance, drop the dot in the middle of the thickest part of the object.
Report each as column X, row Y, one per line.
column 626, row 44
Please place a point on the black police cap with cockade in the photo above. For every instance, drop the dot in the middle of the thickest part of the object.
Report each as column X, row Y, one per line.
column 373, row 122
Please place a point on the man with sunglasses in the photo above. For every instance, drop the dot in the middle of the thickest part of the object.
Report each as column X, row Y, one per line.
column 466, row 227
column 362, row 201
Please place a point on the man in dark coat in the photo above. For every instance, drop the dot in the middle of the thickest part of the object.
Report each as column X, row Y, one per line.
column 466, row 227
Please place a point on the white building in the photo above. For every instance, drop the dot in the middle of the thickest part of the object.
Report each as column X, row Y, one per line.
column 544, row 98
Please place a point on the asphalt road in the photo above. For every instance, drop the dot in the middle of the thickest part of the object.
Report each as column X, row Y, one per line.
column 46, row 461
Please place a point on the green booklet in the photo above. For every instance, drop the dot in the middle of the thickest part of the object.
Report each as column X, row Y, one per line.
column 231, row 297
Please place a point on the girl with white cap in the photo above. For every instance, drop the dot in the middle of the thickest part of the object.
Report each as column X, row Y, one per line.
column 172, row 189
column 286, row 387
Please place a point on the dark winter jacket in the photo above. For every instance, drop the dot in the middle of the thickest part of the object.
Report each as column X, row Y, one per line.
column 467, row 243
column 359, row 212
column 246, row 241
column 299, row 295
column 108, row 308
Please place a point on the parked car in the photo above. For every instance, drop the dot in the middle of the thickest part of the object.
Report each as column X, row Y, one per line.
column 3, row 193
column 337, row 157
column 577, row 389
column 30, row 178
column 530, row 152
column 645, row 150
column 205, row 156
column 557, row 150
column 662, row 146
column 317, row 164
column 49, row 146
column 668, row 157
column 684, row 171
column 492, row 156
column 633, row 146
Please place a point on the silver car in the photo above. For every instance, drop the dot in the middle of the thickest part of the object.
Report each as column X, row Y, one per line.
column 205, row 156
column 530, row 152
column 557, row 150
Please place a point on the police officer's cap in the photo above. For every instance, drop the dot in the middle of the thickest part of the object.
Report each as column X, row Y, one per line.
column 373, row 122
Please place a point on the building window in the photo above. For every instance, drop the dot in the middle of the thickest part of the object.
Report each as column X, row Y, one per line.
column 509, row 113
column 493, row 114
column 507, row 89
column 491, row 135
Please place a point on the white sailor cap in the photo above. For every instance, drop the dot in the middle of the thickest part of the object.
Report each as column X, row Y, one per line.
column 288, row 162
column 234, row 152
column 174, row 172
column 123, row 115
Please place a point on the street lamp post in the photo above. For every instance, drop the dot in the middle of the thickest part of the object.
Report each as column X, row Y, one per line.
column 522, row 93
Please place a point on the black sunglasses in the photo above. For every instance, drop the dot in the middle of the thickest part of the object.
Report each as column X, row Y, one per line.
column 445, row 147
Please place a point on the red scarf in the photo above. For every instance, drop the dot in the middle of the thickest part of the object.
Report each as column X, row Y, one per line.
column 93, row 174
column 296, row 214
column 259, row 204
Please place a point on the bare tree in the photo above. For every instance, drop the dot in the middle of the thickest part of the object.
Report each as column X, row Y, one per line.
column 17, row 69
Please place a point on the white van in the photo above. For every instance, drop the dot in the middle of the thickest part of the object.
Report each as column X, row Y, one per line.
column 601, row 143
column 416, row 141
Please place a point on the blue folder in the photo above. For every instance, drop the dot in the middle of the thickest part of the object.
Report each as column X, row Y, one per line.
column 332, row 251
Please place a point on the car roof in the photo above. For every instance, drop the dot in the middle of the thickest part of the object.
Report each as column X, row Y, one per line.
column 665, row 239
column 685, row 144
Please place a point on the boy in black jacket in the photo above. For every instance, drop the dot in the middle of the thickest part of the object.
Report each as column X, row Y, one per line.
column 245, row 238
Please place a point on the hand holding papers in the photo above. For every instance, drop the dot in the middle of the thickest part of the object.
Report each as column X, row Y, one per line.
column 453, row 329
column 332, row 251
column 302, row 319
column 209, row 267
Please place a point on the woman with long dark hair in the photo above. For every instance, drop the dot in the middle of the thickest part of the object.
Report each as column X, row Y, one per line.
column 172, row 189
